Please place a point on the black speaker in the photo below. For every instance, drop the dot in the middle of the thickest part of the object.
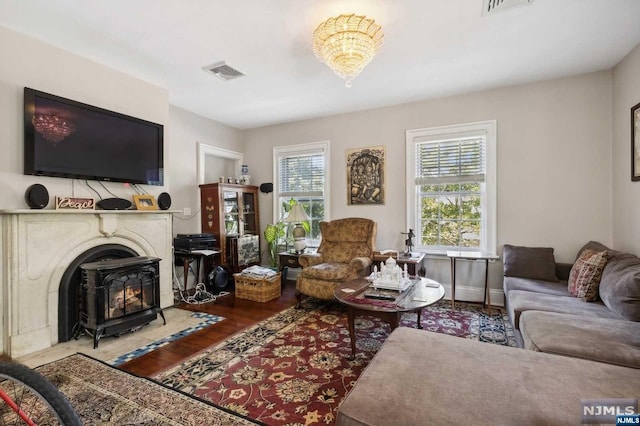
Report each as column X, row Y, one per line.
column 36, row 196
column 164, row 201
column 114, row 204
column 266, row 188
column 217, row 280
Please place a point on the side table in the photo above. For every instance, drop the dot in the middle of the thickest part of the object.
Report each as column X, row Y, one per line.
column 413, row 262
column 187, row 257
column 287, row 260
column 471, row 255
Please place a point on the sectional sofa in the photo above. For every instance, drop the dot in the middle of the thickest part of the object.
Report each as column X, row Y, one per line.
column 579, row 351
column 546, row 317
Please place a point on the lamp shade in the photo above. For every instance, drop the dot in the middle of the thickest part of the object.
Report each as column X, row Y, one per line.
column 297, row 214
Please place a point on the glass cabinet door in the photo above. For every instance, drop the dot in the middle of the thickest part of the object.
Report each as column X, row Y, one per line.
column 231, row 213
column 249, row 205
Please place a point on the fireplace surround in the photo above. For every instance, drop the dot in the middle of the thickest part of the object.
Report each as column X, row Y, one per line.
column 38, row 251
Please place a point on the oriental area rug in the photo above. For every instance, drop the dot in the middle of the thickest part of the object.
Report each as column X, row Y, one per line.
column 294, row 368
column 103, row 395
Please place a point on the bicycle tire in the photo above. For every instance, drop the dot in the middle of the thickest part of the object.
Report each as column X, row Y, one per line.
column 40, row 399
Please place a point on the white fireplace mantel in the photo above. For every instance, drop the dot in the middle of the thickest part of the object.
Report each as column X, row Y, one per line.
column 39, row 245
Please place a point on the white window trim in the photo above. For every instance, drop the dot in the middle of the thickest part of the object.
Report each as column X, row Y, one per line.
column 280, row 151
column 486, row 128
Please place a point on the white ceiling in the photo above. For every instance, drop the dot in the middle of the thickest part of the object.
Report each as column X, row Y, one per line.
column 432, row 48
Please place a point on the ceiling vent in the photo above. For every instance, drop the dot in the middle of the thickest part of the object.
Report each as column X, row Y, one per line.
column 223, row 71
column 493, row 6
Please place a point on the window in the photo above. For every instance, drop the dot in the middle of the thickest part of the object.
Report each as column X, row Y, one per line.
column 451, row 189
column 302, row 174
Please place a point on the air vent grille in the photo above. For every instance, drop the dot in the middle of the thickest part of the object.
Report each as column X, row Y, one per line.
column 493, row 6
column 223, row 71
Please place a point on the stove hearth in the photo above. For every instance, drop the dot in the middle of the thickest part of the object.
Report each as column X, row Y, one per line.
column 118, row 295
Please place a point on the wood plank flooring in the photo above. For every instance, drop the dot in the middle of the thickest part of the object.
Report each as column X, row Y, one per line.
column 238, row 313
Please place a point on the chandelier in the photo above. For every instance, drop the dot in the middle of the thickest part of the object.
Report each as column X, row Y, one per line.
column 347, row 44
column 53, row 127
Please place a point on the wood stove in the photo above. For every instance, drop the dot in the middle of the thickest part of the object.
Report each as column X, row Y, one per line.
column 119, row 295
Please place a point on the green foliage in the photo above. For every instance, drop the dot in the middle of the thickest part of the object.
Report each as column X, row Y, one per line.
column 451, row 215
column 272, row 234
column 275, row 233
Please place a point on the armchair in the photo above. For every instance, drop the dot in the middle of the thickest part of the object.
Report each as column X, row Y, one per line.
column 345, row 253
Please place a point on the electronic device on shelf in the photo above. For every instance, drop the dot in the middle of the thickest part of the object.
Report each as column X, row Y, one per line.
column 190, row 242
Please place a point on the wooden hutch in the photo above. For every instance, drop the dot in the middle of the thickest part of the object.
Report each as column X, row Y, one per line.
column 230, row 212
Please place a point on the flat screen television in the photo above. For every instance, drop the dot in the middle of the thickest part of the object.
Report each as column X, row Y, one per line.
column 65, row 138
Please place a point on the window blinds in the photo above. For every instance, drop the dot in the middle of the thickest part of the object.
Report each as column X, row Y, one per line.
column 451, row 161
column 301, row 175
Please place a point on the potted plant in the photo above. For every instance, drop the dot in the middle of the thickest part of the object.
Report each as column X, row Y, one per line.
column 274, row 233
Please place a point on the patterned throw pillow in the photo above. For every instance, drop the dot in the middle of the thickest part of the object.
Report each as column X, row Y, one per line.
column 585, row 275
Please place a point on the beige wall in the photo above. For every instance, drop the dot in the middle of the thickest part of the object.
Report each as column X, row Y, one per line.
column 185, row 131
column 33, row 63
column 626, row 194
column 556, row 163
column 554, row 156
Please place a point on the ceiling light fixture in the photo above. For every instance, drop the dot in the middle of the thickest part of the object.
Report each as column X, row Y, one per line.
column 347, row 44
column 53, row 127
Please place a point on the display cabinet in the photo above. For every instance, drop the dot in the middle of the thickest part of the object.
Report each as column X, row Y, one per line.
column 230, row 212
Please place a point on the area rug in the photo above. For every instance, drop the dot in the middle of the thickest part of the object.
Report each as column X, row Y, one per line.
column 294, row 367
column 103, row 395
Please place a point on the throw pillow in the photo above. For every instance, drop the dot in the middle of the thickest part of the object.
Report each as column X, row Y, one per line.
column 536, row 263
column 586, row 273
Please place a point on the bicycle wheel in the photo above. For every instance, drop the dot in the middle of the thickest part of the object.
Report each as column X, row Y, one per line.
column 30, row 399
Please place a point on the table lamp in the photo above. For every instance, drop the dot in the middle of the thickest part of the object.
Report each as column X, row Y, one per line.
column 297, row 215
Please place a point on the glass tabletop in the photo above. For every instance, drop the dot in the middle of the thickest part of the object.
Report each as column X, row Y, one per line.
column 361, row 295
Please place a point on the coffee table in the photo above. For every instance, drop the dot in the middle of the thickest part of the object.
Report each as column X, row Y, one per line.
column 350, row 295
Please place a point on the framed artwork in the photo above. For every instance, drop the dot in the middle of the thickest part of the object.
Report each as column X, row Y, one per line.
column 145, row 202
column 635, row 143
column 366, row 175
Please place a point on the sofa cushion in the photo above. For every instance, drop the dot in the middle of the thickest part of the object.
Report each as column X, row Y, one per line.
column 585, row 275
column 423, row 378
column 598, row 339
column 548, row 287
column 537, row 263
column 329, row 271
column 620, row 285
column 596, row 246
column 521, row 301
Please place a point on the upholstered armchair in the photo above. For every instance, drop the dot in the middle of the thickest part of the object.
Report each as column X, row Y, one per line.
column 345, row 253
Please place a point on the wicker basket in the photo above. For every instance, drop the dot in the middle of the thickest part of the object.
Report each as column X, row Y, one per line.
column 257, row 289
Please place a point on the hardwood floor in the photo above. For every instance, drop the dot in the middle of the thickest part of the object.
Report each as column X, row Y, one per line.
column 238, row 313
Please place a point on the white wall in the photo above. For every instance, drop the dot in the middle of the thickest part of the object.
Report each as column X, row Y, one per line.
column 626, row 194
column 554, row 159
column 185, row 130
column 32, row 63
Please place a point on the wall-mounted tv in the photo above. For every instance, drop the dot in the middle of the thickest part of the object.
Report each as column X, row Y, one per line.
column 65, row 138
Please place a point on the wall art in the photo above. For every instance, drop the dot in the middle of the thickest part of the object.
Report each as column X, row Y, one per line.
column 366, row 175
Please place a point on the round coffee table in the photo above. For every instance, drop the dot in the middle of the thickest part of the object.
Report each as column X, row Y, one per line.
column 423, row 293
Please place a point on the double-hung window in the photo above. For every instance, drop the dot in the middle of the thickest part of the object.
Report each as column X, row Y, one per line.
column 302, row 173
column 451, row 188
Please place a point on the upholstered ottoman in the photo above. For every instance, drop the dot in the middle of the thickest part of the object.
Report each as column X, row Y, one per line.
column 597, row 339
column 424, row 378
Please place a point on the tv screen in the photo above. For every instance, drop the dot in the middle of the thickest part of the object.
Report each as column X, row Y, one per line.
column 65, row 138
